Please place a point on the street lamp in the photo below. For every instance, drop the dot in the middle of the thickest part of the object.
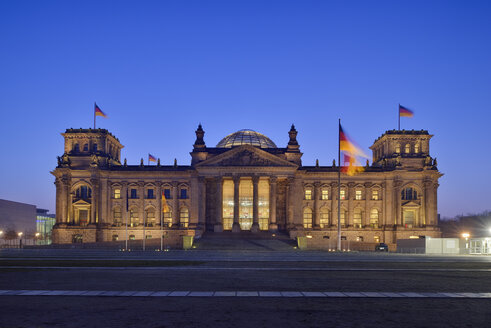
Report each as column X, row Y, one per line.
column 20, row 239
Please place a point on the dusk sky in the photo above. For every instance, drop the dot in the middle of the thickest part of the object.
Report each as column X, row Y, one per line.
column 158, row 68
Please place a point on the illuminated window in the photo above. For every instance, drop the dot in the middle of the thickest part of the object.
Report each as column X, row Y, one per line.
column 407, row 149
column 148, row 237
column 342, row 194
column 245, row 204
column 357, row 217
column 150, row 217
column 325, row 194
column 228, row 204
column 416, row 148
column 358, row 194
column 307, row 218
column 359, row 238
column 324, row 219
column 398, row 148
column 342, row 218
column 374, row 194
column 308, row 194
column 150, row 194
column 409, row 217
column 117, row 193
column 134, row 219
column 115, row 238
column 168, row 217
column 374, row 218
column 117, row 216
column 184, row 217
column 263, row 204
column 376, row 239
column 132, row 237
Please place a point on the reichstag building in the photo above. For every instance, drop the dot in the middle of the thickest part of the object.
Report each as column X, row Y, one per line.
column 244, row 183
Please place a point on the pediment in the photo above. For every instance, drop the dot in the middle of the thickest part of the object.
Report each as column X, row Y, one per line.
column 81, row 202
column 246, row 155
column 411, row 203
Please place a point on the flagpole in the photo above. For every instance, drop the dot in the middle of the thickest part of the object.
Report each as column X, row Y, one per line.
column 339, row 186
column 399, row 117
column 161, row 224
column 94, row 115
column 126, row 221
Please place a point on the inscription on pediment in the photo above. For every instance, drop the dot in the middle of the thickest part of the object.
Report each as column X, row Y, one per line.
column 246, row 158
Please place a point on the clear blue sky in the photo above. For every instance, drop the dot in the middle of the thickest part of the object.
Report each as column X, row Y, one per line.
column 158, row 68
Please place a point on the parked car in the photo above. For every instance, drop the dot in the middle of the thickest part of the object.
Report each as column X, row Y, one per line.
column 381, row 247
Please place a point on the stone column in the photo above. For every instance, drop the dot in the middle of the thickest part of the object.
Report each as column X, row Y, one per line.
column 255, row 204
column 236, row 225
column 175, row 205
column 201, row 201
column 366, row 218
column 334, row 204
column 351, row 194
column 103, row 202
column 219, row 205
column 273, row 226
column 160, row 216
column 125, row 210
column 396, row 194
column 60, row 202
column 317, row 196
column 289, row 219
column 94, row 202
column 141, row 193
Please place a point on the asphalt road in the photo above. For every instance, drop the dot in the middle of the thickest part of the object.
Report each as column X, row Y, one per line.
column 242, row 271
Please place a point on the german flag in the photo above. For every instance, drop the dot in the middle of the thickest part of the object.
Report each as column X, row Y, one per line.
column 405, row 112
column 346, row 145
column 352, row 168
column 151, row 158
column 98, row 111
column 165, row 207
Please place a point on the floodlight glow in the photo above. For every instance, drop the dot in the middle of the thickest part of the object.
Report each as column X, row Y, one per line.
column 466, row 235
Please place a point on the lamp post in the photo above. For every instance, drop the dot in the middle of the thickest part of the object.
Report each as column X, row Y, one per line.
column 466, row 235
column 1, row 234
column 20, row 239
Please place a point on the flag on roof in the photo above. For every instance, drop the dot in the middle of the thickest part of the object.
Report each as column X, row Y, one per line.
column 405, row 112
column 98, row 111
column 353, row 167
column 151, row 158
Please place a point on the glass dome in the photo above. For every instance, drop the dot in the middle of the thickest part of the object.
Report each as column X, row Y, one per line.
column 246, row 137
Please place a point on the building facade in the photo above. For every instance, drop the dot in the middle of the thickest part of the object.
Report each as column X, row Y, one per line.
column 245, row 183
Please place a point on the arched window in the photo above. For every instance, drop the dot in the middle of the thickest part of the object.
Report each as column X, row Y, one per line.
column 83, row 192
column 167, row 217
column 416, row 148
column 94, row 147
column 324, row 219
column 117, row 216
column 342, row 218
column 307, row 218
column 86, row 147
column 374, row 218
column 134, row 219
column 407, row 149
column 357, row 216
column 398, row 148
column 115, row 238
column 184, row 217
column 76, row 148
column 150, row 217
column 409, row 194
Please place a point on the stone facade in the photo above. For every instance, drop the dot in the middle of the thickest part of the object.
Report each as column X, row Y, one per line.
column 247, row 183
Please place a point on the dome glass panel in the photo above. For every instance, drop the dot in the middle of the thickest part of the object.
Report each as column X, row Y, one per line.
column 246, row 137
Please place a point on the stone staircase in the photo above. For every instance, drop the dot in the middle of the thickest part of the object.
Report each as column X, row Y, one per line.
column 245, row 241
